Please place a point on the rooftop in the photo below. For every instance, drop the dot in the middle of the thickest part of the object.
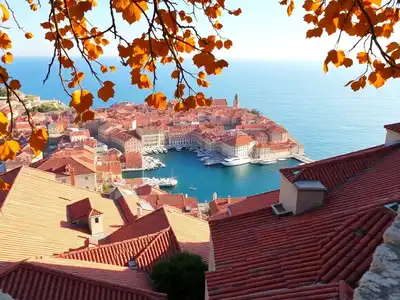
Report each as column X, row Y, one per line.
column 393, row 127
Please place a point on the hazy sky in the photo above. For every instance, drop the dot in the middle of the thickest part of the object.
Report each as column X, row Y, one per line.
column 262, row 31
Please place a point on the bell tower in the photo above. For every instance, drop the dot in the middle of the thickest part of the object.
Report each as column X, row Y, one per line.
column 236, row 103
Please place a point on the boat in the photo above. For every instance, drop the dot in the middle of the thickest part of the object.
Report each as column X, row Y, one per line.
column 155, row 151
column 161, row 182
column 281, row 159
column 212, row 162
column 268, row 162
column 204, row 158
column 165, row 150
column 192, row 188
column 178, row 148
column 200, row 154
column 235, row 161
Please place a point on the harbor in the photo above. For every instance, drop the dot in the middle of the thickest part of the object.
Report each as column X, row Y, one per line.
column 200, row 181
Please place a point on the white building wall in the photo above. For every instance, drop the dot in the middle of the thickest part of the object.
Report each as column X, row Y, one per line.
column 86, row 181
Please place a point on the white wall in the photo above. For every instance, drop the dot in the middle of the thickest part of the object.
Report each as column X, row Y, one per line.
column 82, row 181
column 392, row 136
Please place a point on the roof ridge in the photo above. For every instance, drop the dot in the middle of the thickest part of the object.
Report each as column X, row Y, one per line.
column 176, row 210
column 3, row 205
column 40, row 266
column 159, row 235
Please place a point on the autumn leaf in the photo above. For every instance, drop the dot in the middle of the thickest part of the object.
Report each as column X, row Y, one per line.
column 103, row 69
column 347, row 62
column 9, row 149
column 87, row 116
column 355, row 86
column 3, row 75
column 6, row 13
column 157, row 100
column 15, row 84
column 38, row 141
column 5, row 42
column 81, row 100
column 4, row 124
column 227, row 44
column 175, row 74
column 376, row 79
column 362, row 57
column 179, row 106
column 133, row 12
column 113, row 69
column 7, row 58
column 107, row 91
column 4, row 186
column 290, row 8
column 392, row 46
column 29, row 35
column 236, row 12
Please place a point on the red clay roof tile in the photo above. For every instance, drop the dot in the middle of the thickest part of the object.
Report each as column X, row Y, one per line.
column 393, row 127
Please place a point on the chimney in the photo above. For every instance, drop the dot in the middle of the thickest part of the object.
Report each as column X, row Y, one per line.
column 229, row 199
column 301, row 196
column 139, row 212
column 71, row 172
column 96, row 224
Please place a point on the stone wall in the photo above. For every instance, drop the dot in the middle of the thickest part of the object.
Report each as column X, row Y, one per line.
column 382, row 281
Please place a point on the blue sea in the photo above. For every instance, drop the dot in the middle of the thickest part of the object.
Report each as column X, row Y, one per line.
column 316, row 108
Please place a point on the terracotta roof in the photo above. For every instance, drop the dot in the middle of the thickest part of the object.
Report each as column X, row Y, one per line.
column 51, row 278
column 333, row 291
column 145, row 251
column 178, row 201
column 237, row 141
column 34, row 216
column 258, row 251
column 219, row 102
column 147, row 189
column 192, row 234
column 393, row 127
column 221, row 204
column 81, row 209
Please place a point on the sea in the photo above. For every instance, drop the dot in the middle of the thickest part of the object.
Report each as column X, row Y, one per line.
column 316, row 108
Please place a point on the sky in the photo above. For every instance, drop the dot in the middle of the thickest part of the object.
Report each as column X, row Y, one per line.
column 262, row 32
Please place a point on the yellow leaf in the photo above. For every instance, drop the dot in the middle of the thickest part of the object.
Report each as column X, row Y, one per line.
column 107, row 91
column 178, row 106
column 4, row 186
column 7, row 58
column 113, row 68
column 38, row 141
column 133, row 12
column 6, row 13
column 9, row 150
column 4, row 124
column 290, row 8
column 81, row 100
column 29, row 35
column 157, row 100
column 15, row 84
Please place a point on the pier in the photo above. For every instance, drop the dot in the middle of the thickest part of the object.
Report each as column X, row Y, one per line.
column 303, row 158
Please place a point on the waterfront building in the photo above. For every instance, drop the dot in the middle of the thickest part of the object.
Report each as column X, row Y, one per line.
column 236, row 102
column 126, row 141
column 392, row 132
column 78, row 135
column 278, row 134
column 318, row 232
column 132, row 160
column 181, row 135
column 219, row 103
column 237, row 146
column 104, row 131
column 152, row 137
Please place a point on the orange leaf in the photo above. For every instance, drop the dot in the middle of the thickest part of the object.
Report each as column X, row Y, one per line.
column 81, row 100
column 6, row 13
column 133, row 12
column 355, row 86
column 67, row 44
column 290, row 8
column 87, row 116
column 4, row 123
column 175, row 73
column 9, row 150
column 4, row 186
column 144, row 82
column 376, row 79
column 236, row 12
column 5, row 41
column 7, row 58
column 228, row 44
column 363, row 57
column 157, row 100
column 29, row 35
column 202, row 75
column 38, row 141
column 4, row 75
column 107, row 91
column 15, row 84
column 348, row 62
column 392, row 46
column 104, row 69
column 178, row 106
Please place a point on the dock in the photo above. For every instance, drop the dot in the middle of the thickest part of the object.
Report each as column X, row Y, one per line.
column 302, row 158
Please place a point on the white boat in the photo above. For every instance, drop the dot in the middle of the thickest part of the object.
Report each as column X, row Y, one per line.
column 178, row 148
column 155, row 151
column 192, row 188
column 281, row 159
column 204, row 158
column 160, row 181
column 268, row 162
column 165, row 150
column 235, row 161
column 212, row 162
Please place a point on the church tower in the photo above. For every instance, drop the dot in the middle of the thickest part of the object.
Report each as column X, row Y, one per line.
column 236, row 103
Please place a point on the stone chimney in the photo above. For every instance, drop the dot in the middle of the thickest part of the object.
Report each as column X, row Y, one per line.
column 96, row 224
column 71, row 172
column 301, row 196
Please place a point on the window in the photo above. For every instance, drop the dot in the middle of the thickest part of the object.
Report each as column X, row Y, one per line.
column 87, row 187
column 63, row 181
column 96, row 220
column 86, row 178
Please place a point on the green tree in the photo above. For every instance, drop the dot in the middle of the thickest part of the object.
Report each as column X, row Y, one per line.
column 181, row 277
column 255, row 112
